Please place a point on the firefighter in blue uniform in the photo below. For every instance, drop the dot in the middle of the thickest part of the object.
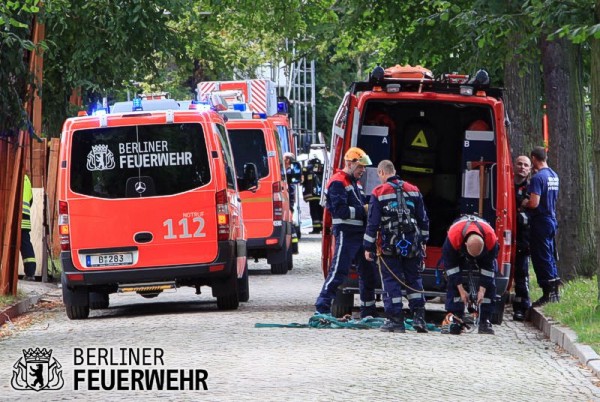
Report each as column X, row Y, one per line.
column 27, row 252
column 397, row 212
column 521, row 302
column 541, row 207
column 472, row 245
column 312, row 184
column 346, row 203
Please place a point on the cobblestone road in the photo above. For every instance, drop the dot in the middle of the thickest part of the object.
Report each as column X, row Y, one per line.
column 248, row 363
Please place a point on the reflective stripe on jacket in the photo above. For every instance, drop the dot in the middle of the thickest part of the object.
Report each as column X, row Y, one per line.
column 27, row 202
column 345, row 201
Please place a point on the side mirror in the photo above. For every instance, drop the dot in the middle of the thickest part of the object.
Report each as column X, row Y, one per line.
column 249, row 180
column 294, row 173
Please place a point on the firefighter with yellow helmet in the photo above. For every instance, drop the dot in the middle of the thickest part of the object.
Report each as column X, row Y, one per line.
column 346, row 202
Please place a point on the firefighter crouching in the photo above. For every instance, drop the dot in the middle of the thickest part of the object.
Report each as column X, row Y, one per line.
column 471, row 245
column 312, row 184
column 346, row 203
column 397, row 212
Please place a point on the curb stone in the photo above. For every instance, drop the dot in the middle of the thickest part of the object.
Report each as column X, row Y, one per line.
column 566, row 338
column 18, row 308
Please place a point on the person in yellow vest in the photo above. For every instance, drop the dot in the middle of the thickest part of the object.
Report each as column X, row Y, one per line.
column 27, row 252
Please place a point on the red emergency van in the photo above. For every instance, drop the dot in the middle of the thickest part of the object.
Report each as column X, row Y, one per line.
column 446, row 135
column 267, row 216
column 148, row 202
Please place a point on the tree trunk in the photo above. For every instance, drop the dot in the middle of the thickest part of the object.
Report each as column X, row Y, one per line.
column 523, row 83
column 570, row 156
column 595, row 111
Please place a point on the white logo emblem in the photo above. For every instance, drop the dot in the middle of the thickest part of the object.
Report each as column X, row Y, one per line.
column 37, row 370
column 140, row 187
column 100, row 158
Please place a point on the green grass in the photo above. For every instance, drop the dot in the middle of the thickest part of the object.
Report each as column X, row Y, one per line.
column 8, row 300
column 578, row 309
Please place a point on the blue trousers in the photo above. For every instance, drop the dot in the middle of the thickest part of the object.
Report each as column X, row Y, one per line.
column 455, row 306
column 348, row 247
column 541, row 243
column 407, row 270
column 521, row 300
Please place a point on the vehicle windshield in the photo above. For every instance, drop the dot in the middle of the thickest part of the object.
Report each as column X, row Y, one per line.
column 248, row 146
column 139, row 161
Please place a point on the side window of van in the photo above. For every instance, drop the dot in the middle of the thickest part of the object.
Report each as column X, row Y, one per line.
column 249, row 146
column 227, row 158
column 139, row 161
column 280, row 157
column 283, row 137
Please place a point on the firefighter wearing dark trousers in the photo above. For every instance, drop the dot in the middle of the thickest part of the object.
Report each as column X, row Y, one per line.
column 346, row 203
column 288, row 158
column 471, row 245
column 312, row 179
column 27, row 252
column 541, row 208
column 397, row 213
column 521, row 302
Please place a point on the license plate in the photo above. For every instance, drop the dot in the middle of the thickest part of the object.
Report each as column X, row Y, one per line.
column 102, row 260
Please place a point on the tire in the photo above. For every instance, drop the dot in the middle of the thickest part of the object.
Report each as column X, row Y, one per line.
column 343, row 304
column 498, row 314
column 244, row 286
column 290, row 259
column 98, row 300
column 228, row 302
column 77, row 312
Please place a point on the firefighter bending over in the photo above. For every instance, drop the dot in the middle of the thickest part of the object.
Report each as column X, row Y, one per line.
column 469, row 257
column 397, row 212
column 346, row 203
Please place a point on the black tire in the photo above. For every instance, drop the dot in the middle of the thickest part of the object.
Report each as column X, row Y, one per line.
column 343, row 304
column 228, row 302
column 498, row 314
column 290, row 259
column 98, row 300
column 77, row 312
column 244, row 286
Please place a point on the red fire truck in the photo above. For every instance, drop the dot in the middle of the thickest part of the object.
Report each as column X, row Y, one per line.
column 446, row 135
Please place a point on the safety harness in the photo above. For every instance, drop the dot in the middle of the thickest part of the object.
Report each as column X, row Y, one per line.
column 396, row 230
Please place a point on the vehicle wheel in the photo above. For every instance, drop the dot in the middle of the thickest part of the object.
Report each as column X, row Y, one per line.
column 343, row 304
column 228, row 302
column 290, row 259
column 243, row 286
column 498, row 313
column 150, row 295
column 98, row 300
column 77, row 312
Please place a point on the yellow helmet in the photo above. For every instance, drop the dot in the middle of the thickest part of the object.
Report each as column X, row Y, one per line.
column 355, row 154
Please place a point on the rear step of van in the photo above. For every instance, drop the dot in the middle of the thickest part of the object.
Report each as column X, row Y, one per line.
column 146, row 287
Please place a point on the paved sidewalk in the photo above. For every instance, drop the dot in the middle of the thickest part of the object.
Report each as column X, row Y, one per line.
column 34, row 291
column 556, row 332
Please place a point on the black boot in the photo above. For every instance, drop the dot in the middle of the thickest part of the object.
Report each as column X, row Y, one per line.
column 419, row 323
column 554, row 296
column 485, row 327
column 546, row 289
column 394, row 324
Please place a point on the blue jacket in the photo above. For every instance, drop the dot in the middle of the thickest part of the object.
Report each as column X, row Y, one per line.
column 345, row 201
column 381, row 216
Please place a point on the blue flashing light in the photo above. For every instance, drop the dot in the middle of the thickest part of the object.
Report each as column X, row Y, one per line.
column 240, row 107
column 282, row 107
column 257, row 115
column 262, row 115
column 199, row 105
column 137, row 104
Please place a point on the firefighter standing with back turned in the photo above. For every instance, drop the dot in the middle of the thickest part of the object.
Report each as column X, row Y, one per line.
column 27, row 252
column 471, row 244
column 346, row 203
column 312, row 183
column 288, row 158
column 397, row 212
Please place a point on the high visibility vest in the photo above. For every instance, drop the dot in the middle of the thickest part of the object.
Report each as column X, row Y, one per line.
column 27, row 202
